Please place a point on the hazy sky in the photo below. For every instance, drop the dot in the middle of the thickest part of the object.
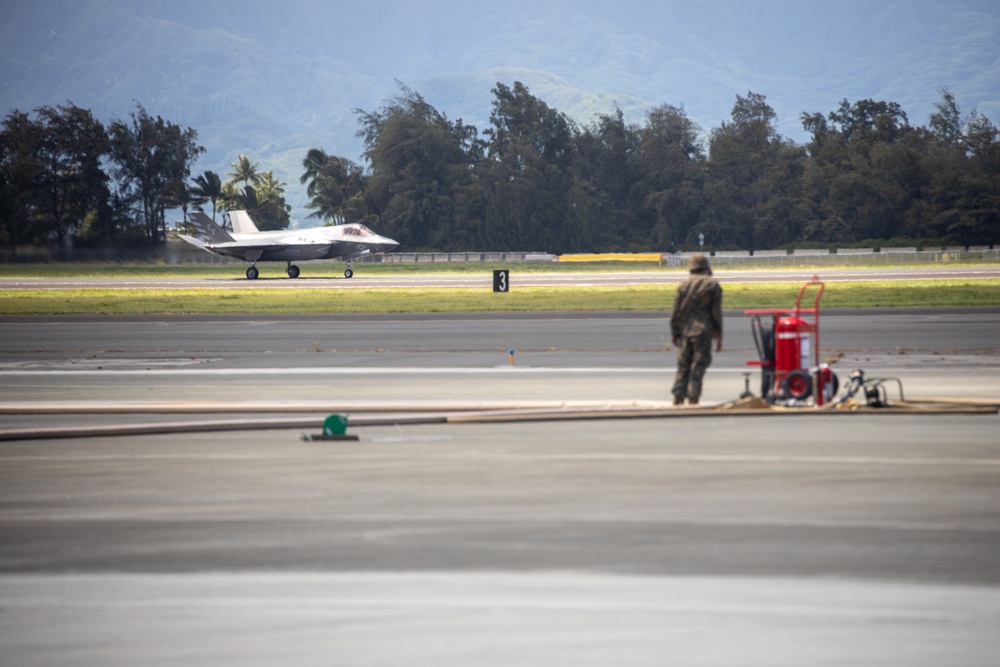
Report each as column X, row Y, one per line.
column 273, row 79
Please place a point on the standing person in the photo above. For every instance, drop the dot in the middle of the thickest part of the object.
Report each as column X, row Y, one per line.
column 694, row 322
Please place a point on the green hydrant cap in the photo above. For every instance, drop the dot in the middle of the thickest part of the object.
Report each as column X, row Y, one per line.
column 335, row 425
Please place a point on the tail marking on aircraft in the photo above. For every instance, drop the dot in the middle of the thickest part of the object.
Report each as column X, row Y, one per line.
column 209, row 230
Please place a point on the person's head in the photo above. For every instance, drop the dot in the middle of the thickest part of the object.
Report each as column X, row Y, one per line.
column 699, row 264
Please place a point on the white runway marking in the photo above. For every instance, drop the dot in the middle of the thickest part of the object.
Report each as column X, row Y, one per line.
column 490, row 618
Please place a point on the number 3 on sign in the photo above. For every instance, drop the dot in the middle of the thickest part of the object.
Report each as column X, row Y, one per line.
column 500, row 280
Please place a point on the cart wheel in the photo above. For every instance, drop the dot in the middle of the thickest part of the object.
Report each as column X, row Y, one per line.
column 798, row 385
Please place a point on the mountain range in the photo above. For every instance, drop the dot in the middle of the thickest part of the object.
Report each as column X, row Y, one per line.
column 274, row 79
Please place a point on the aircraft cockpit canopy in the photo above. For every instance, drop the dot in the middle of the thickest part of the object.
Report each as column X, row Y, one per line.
column 357, row 229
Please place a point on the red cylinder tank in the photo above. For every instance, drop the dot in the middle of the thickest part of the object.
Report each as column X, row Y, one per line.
column 791, row 345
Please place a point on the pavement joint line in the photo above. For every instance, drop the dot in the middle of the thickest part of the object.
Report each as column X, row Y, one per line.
column 139, row 369
column 318, row 370
column 203, row 407
column 482, row 416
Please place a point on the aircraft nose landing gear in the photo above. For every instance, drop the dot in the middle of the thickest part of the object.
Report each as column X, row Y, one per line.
column 293, row 271
column 347, row 272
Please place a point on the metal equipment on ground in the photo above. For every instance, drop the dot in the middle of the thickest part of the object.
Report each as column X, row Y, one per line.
column 788, row 350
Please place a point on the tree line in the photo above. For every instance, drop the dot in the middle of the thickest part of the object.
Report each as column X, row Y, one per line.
column 534, row 179
column 65, row 175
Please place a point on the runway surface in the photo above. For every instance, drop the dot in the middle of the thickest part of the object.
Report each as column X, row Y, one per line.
column 781, row 540
column 323, row 276
column 955, row 337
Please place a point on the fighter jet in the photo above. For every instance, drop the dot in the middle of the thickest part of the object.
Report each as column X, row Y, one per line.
column 344, row 242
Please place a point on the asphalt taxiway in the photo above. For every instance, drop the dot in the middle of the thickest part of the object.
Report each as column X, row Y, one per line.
column 777, row 540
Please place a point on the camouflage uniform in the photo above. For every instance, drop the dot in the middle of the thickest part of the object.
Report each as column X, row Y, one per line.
column 696, row 319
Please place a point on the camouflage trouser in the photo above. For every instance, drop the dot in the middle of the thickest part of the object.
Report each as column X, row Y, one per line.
column 694, row 354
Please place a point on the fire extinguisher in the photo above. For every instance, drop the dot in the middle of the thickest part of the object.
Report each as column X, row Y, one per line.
column 791, row 355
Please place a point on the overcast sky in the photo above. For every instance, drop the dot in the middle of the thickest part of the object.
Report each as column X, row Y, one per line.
column 274, row 79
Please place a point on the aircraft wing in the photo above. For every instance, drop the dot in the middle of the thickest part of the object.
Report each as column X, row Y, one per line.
column 257, row 251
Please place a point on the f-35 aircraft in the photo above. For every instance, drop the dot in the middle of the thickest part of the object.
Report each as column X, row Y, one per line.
column 246, row 242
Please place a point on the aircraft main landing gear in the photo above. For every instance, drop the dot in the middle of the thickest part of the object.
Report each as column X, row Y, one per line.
column 293, row 271
column 348, row 273
column 252, row 272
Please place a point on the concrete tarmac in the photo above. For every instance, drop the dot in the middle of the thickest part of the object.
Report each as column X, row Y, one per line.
column 779, row 540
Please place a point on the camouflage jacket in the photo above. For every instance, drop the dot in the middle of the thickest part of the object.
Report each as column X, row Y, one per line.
column 697, row 307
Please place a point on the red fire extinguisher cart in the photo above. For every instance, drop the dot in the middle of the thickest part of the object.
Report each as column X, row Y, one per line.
column 788, row 347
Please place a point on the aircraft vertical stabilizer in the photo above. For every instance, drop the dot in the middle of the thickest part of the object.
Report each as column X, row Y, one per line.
column 242, row 222
column 208, row 230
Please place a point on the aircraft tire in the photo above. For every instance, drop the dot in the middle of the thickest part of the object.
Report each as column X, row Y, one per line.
column 293, row 271
column 252, row 273
column 348, row 273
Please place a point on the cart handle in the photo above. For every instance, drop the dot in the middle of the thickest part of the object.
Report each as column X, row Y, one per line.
column 798, row 309
column 798, row 300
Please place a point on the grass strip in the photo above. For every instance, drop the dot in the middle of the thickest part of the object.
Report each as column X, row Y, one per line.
column 738, row 296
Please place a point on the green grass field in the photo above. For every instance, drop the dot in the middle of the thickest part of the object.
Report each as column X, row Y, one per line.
column 271, row 300
column 114, row 301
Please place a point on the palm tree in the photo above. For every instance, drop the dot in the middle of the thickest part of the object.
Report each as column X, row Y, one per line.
column 327, row 199
column 269, row 187
column 244, row 200
column 244, row 170
column 208, row 187
column 177, row 195
column 227, row 201
column 316, row 164
column 272, row 211
column 336, row 185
